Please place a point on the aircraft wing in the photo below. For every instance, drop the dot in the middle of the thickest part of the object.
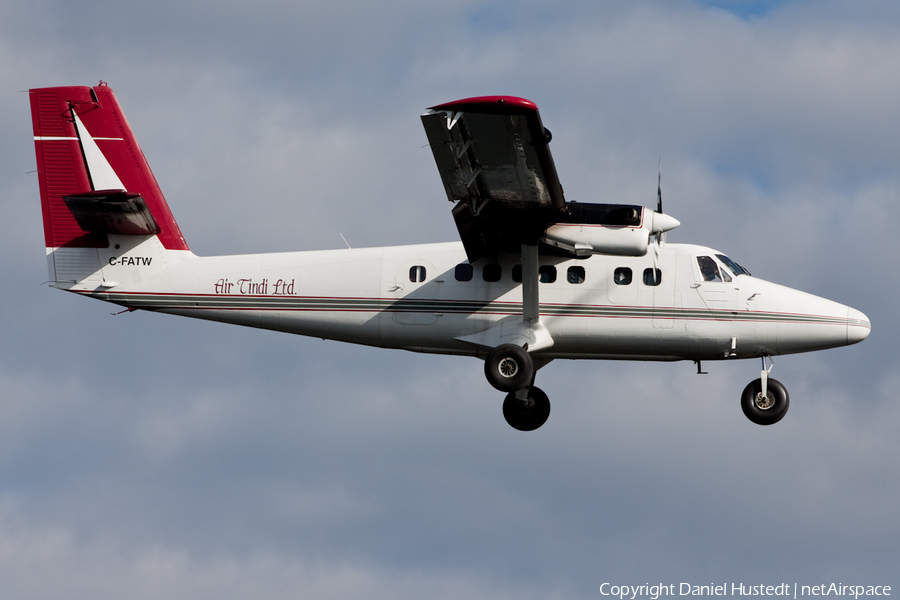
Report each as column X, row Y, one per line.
column 494, row 160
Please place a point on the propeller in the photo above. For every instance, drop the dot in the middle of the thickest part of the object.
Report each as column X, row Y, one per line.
column 659, row 211
column 660, row 235
column 659, row 187
column 661, row 222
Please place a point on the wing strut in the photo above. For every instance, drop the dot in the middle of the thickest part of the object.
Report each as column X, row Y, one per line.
column 529, row 332
column 531, row 306
column 532, row 329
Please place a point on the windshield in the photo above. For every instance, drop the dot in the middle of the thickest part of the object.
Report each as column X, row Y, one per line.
column 709, row 270
column 733, row 266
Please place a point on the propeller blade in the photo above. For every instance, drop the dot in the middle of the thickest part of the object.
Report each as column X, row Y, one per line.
column 660, row 234
column 659, row 187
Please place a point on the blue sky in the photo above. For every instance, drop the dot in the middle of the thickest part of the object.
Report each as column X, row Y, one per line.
column 144, row 456
column 747, row 8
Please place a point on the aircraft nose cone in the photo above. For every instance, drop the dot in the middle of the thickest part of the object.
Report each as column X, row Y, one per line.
column 858, row 326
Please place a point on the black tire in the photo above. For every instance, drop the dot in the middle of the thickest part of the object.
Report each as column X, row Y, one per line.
column 527, row 416
column 769, row 411
column 508, row 368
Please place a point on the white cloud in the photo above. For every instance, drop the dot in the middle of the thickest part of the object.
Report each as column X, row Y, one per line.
column 49, row 562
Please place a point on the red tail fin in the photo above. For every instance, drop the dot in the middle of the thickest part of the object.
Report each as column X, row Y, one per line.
column 83, row 144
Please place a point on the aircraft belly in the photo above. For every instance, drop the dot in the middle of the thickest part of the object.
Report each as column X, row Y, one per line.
column 325, row 325
column 616, row 336
column 438, row 337
column 712, row 339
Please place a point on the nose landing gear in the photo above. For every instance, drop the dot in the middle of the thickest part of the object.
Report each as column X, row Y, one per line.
column 765, row 401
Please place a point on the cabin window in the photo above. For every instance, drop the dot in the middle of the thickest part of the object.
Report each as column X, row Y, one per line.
column 652, row 277
column 575, row 275
column 417, row 274
column 709, row 270
column 547, row 274
column 491, row 272
column 464, row 272
column 622, row 276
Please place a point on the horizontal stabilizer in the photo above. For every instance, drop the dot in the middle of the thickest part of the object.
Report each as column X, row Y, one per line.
column 112, row 211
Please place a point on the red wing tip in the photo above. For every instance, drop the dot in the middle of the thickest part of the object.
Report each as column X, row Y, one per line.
column 492, row 104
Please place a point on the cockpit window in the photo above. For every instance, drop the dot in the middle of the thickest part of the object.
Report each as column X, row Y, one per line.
column 735, row 268
column 709, row 270
column 726, row 276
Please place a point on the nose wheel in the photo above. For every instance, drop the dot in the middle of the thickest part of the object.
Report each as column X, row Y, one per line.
column 765, row 401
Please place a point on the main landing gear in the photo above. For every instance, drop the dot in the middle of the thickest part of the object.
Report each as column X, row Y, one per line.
column 509, row 368
column 765, row 401
column 528, row 413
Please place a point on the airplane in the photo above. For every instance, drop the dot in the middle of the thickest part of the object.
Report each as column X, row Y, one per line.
column 533, row 278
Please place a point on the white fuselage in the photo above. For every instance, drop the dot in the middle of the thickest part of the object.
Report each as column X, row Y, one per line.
column 411, row 297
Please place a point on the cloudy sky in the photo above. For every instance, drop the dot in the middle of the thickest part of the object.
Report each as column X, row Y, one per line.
column 146, row 456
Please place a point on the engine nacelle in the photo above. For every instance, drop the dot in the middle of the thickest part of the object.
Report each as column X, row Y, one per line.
column 620, row 230
column 584, row 240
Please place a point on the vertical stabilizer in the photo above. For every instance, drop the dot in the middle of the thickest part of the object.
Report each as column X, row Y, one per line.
column 84, row 144
column 94, row 181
